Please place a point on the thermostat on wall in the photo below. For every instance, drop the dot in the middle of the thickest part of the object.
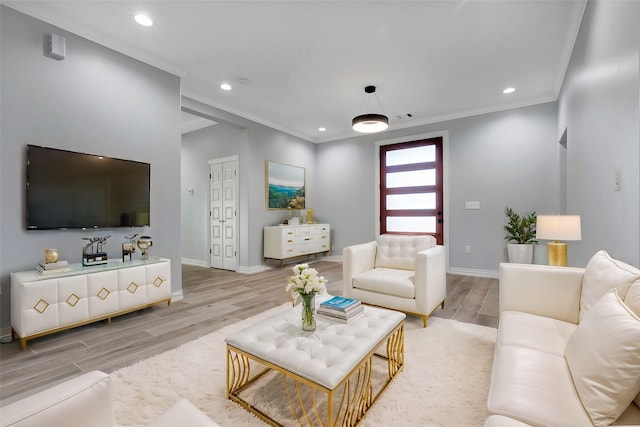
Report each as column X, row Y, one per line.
column 57, row 47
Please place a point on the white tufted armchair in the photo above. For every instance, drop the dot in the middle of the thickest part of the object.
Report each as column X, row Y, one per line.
column 405, row 273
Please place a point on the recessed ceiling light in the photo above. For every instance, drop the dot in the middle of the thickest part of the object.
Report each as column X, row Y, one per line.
column 509, row 90
column 322, row 129
column 225, row 86
column 143, row 20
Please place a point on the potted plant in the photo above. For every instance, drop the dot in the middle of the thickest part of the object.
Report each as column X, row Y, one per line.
column 521, row 235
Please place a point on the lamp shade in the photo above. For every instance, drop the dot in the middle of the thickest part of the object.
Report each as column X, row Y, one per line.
column 558, row 227
column 370, row 123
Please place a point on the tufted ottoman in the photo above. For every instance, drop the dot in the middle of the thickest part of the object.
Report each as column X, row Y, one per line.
column 328, row 374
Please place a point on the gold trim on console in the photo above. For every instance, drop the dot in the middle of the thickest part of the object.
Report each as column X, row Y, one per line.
column 158, row 282
column 103, row 293
column 73, row 297
column 133, row 287
column 41, row 306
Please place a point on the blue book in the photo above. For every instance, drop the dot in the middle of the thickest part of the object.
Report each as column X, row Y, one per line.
column 340, row 303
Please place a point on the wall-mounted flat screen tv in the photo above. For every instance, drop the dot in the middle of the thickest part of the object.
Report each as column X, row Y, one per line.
column 66, row 190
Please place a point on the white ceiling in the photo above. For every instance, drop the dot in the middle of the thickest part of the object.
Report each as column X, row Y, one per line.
column 306, row 62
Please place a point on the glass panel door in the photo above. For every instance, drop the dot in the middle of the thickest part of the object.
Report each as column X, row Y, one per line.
column 411, row 200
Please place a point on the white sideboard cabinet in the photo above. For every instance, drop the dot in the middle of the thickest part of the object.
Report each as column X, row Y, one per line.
column 44, row 304
column 282, row 241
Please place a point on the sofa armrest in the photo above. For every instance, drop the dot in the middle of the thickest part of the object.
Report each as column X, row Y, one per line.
column 355, row 260
column 431, row 278
column 542, row 290
column 85, row 400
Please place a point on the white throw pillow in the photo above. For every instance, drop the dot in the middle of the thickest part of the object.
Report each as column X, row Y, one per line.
column 632, row 300
column 602, row 274
column 603, row 355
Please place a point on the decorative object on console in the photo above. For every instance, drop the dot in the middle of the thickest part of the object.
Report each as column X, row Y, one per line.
column 50, row 256
column 285, row 186
column 53, row 268
column 129, row 246
column 144, row 243
column 370, row 122
column 521, row 235
column 94, row 256
column 306, row 283
column 556, row 228
column 310, row 216
column 52, row 263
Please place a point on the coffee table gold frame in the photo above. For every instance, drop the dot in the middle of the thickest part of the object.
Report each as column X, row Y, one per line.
column 353, row 398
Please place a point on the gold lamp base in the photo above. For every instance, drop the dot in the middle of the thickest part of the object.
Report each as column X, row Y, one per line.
column 557, row 253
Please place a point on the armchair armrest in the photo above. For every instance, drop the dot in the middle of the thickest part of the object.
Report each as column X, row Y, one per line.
column 431, row 278
column 355, row 260
column 542, row 290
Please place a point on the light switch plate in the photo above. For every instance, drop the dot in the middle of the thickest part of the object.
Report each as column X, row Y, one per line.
column 472, row 205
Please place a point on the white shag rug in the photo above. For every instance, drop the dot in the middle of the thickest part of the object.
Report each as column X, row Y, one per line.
column 445, row 380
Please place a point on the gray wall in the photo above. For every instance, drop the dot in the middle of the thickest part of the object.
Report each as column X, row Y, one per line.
column 599, row 106
column 96, row 101
column 500, row 159
column 262, row 144
column 198, row 148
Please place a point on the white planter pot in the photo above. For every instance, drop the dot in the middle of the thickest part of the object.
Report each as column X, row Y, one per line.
column 519, row 253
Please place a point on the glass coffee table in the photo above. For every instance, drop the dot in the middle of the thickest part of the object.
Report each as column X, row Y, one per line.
column 327, row 375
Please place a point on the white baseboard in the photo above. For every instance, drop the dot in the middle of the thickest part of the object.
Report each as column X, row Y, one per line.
column 5, row 333
column 177, row 296
column 492, row 274
column 195, row 262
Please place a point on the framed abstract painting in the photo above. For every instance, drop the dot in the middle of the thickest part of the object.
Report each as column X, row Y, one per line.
column 285, row 187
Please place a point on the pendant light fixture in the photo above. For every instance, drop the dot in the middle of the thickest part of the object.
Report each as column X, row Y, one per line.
column 370, row 122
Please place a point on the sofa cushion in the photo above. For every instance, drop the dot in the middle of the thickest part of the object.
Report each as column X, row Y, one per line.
column 603, row 356
column 535, row 332
column 632, row 300
column 534, row 387
column 602, row 274
column 398, row 251
column 387, row 281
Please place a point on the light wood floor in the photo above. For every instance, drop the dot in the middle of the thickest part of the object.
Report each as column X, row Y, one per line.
column 212, row 299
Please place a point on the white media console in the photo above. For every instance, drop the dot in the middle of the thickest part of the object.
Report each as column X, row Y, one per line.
column 44, row 304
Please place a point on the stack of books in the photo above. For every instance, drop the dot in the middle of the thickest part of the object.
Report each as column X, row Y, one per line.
column 53, row 267
column 341, row 309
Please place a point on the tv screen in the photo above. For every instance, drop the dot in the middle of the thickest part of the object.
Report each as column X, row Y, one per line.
column 66, row 189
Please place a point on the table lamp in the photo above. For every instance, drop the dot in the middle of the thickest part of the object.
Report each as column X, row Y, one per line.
column 556, row 228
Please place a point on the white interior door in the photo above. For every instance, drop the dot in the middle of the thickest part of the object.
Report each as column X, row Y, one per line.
column 224, row 213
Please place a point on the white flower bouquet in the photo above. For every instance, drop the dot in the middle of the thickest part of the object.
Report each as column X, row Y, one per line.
column 305, row 281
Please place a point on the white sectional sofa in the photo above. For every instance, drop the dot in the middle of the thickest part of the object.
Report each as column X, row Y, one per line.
column 568, row 346
column 87, row 400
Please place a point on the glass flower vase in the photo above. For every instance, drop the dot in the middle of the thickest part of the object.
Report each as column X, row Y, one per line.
column 308, row 312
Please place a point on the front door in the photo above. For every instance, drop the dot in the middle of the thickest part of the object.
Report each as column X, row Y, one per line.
column 411, row 188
